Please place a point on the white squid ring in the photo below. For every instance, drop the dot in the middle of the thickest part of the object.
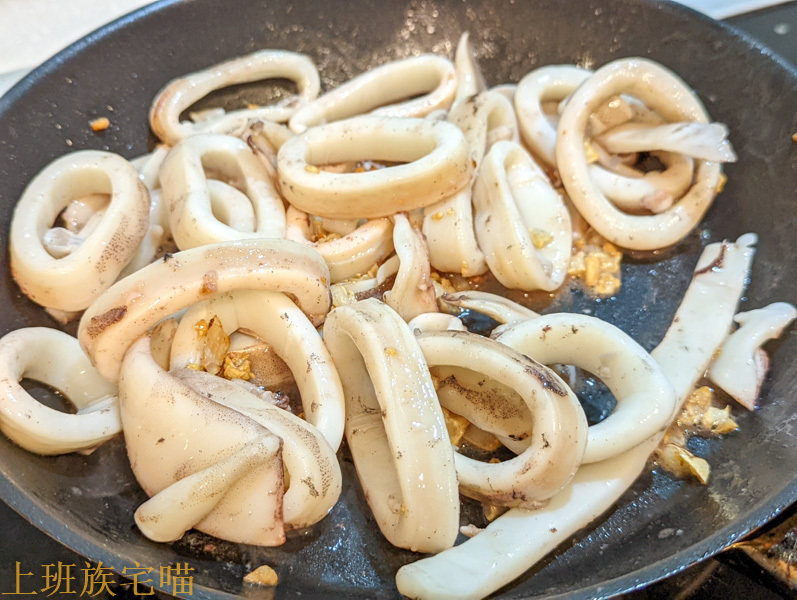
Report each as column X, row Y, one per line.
column 645, row 399
column 437, row 166
column 55, row 358
column 130, row 307
column 513, row 197
column 558, row 436
column 179, row 94
column 276, row 320
column 428, row 74
column 348, row 256
column 73, row 282
column 395, row 427
column 187, row 190
column 668, row 95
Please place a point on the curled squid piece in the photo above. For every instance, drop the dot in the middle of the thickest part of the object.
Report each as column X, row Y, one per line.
column 428, row 322
column 205, row 210
column 554, row 445
column 436, row 166
column 429, row 80
column 448, row 225
column 265, row 138
column 470, row 80
column 522, row 223
column 89, row 268
column 278, row 322
column 663, row 92
column 551, row 83
column 502, row 309
column 130, row 307
column 56, row 359
column 395, row 427
column 353, row 253
column 216, row 438
column 181, row 93
column 706, row 141
column 645, row 399
column 742, row 364
column 412, row 293
column 515, row 541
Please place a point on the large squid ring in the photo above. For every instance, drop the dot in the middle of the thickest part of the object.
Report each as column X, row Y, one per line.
column 136, row 303
column 73, row 282
column 179, row 94
column 55, row 358
column 663, row 92
column 557, row 438
column 276, row 320
column 430, row 81
column 645, row 398
column 395, row 427
column 438, row 165
column 190, row 196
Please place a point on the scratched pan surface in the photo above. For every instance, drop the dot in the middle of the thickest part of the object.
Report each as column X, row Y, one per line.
column 659, row 526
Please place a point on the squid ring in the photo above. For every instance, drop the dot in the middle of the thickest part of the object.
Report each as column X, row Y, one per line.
column 645, row 398
column 276, row 320
column 664, row 92
column 437, row 166
column 522, row 223
column 55, row 358
column 348, row 256
column 190, row 196
column 558, row 436
column 181, row 93
column 554, row 82
column 73, row 282
column 131, row 306
column 395, row 427
column 428, row 74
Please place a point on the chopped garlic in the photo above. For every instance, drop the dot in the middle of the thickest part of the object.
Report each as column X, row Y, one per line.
column 590, row 153
column 100, row 124
column 540, row 238
column 682, row 463
column 263, row 575
column 455, row 424
column 721, row 183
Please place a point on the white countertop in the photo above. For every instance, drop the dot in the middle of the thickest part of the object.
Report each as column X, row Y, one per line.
column 33, row 30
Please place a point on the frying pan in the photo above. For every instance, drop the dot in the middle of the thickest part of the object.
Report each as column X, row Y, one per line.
column 660, row 525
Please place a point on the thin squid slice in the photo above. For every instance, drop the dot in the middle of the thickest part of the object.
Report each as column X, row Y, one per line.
column 276, row 320
column 706, row 141
column 412, row 293
column 179, row 94
column 185, row 178
column 350, row 255
column 645, row 399
column 517, row 540
column 742, row 364
column 428, row 322
column 429, row 77
column 554, row 82
column 502, row 309
column 265, row 138
column 435, row 152
column 395, row 427
column 664, row 92
column 73, row 282
column 522, row 223
column 55, row 358
column 133, row 305
column 470, row 80
column 555, row 443
column 174, row 510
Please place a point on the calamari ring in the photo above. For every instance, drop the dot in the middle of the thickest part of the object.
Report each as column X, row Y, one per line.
column 350, row 255
column 554, row 82
column 515, row 205
column 395, row 427
column 131, row 306
column 190, row 198
column 437, row 166
column 556, row 440
column 181, row 93
column 55, row 358
column 645, row 398
column 277, row 321
column 73, row 282
column 664, row 92
column 429, row 76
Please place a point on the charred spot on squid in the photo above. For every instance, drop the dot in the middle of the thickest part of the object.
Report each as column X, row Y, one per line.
column 100, row 323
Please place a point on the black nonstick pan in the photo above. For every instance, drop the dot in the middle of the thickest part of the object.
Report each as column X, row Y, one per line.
column 659, row 526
